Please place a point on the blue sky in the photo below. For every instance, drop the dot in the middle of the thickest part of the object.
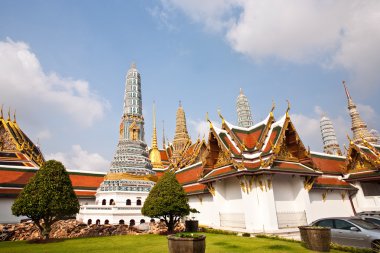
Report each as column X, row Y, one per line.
column 63, row 66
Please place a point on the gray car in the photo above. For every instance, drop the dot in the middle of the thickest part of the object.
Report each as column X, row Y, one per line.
column 352, row 231
column 373, row 219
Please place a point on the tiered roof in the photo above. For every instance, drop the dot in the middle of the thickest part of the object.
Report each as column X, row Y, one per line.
column 268, row 147
column 20, row 159
column 15, row 146
column 363, row 161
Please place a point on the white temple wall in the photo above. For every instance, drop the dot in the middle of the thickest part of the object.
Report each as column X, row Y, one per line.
column 229, row 204
column 6, row 215
column 208, row 215
column 286, row 193
column 266, row 212
column 365, row 203
column 333, row 205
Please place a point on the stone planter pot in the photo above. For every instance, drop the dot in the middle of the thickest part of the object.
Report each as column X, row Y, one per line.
column 187, row 245
column 316, row 238
column 191, row 225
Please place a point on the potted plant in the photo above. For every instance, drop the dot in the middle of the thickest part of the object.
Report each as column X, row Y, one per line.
column 187, row 243
column 316, row 238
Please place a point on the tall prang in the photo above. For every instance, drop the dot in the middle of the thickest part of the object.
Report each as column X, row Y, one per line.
column 244, row 111
column 330, row 142
column 181, row 137
column 130, row 178
column 359, row 128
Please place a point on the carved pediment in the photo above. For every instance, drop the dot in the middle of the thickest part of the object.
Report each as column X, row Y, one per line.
column 6, row 141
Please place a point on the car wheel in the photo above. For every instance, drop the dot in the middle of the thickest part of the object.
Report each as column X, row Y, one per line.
column 375, row 245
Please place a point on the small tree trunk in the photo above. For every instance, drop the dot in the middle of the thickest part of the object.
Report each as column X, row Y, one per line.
column 171, row 225
column 46, row 230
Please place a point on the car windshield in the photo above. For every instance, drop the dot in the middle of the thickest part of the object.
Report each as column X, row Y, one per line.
column 364, row 224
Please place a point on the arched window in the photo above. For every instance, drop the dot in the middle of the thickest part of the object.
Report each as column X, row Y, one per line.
column 112, row 202
column 106, row 222
column 89, row 222
column 131, row 222
column 121, row 222
column 128, row 202
column 142, row 221
column 138, row 202
column 104, row 202
column 97, row 222
column 152, row 221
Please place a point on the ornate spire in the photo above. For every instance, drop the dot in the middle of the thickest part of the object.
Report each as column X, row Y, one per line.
column 132, row 95
column 163, row 135
column 131, row 155
column 359, row 128
column 243, row 111
column 330, row 142
column 181, row 137
column 154, row 156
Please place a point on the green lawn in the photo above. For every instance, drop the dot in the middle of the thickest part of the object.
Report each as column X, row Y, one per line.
column 151, row 244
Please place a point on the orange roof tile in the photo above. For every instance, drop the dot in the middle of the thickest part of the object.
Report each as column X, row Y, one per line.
column 328, row 164
column 186, row 176
column 195, row 188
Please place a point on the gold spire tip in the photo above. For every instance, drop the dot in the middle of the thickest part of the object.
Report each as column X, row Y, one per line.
column 9, row 114
column 288, row 109
column 273, row 106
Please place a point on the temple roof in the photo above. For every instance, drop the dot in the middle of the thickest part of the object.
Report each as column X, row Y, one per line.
column 268, row 147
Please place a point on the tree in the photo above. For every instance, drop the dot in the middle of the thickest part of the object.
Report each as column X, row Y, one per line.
column 47, row 198
column 167, row 200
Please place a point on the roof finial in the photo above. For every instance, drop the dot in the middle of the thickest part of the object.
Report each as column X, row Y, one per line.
column 9, row 114
column 133, row 65
column 1, row 112
column 163, row 135
column 241, row 91
column 14, row 116
column 180, row 103
column 288, row 109
column 273, row 106
column 345, row 88
column 154, row 141
column 221, row 116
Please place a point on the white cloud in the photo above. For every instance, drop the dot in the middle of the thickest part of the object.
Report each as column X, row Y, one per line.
column 44, row 134
column 80, row 159
column 335, row 34
column 369, row 115
column 25, row 86
column 309, row 131
column 201, row 128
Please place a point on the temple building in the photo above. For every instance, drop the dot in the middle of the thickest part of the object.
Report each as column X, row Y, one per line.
column 262, row 177
column 120, row 196
column 249, row 177
column 20, row 159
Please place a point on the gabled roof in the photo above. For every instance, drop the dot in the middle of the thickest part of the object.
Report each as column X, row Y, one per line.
column 360, row 158
column 268, row 147
column 13, row 139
